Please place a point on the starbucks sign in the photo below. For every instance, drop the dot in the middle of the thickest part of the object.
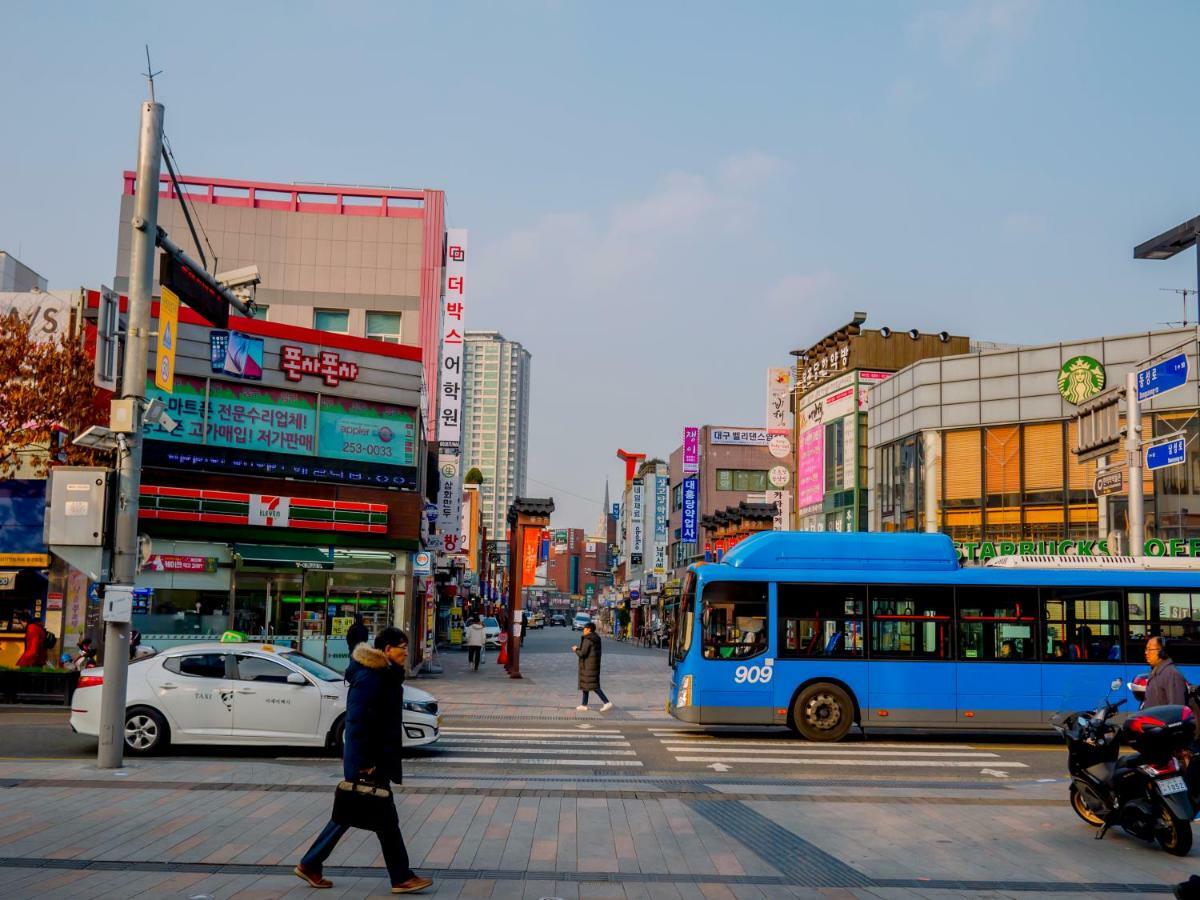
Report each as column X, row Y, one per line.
column 1080, row 379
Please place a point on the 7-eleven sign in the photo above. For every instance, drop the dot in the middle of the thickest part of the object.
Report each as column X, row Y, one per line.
column 266, row 509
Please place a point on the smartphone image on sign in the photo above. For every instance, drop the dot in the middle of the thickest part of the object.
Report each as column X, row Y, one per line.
column 244, row 356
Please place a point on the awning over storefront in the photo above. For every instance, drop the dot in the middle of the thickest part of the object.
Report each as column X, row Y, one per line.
column 260, row 555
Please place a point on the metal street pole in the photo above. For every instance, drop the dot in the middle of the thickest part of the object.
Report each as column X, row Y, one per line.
column 129, row 464
column 1133, row 445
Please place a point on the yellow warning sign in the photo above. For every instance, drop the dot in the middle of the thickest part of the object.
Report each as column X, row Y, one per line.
column 168, row 338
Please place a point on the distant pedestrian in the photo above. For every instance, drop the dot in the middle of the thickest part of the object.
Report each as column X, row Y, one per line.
column 87, row 656
column 588, row 651
column 356, row 633
column 475, row 637
column 373, row 736
column 36, row 646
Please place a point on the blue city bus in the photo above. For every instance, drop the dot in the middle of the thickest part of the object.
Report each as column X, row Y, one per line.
column 822, row 631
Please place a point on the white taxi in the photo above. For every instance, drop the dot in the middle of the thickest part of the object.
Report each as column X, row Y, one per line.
column 250, row 694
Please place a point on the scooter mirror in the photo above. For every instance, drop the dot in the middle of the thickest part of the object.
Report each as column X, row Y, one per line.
column 1116, row 683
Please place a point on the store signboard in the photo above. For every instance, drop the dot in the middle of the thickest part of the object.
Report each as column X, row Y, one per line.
column 747, row 437
column 358, row 429
column 637, row 543
column 779, row 383
column 691, row 450
column 690, row 529
column 454, row 300
column 236, row 354
column 8, row 581
column 660, row 509
column 168, row 562
column 449, row 502
column 810, row 467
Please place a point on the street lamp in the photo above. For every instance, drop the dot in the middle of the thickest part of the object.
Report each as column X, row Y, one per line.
column 1167, row 244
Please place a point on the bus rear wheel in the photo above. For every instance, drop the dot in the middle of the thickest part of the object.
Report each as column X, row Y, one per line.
column 823, row 712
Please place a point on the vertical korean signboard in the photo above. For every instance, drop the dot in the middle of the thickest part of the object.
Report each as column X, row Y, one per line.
column 660, row 524
column 779, row 382
column 637, row 542
column 689, row 531
column 691, row 450
column 449, row 394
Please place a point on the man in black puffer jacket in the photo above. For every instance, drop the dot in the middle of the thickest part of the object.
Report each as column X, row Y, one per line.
column 588, row 651
column 373, row 738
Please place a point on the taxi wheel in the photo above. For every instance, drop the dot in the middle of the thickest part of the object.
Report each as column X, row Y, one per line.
column 145, row 731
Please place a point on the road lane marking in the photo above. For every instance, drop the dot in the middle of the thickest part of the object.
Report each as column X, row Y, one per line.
column 539, row 743
column 552, row 750
column 520, row 732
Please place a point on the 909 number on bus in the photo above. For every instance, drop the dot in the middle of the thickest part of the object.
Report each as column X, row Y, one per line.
column 753, row 674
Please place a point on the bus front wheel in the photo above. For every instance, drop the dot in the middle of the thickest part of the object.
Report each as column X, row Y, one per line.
column 823, row 712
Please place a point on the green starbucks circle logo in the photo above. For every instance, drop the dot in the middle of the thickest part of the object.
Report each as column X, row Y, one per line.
column 1080, row 379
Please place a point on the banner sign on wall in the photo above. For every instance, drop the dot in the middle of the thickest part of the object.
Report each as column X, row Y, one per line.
column 660, row 509
column 779, row 383
column 690, row 530
column 449, row 503
column 636, row 524
column 454, row 300
column 358, row 429
column 749, row 437
column 529, row 555
column 691, row 450
column 810, row 466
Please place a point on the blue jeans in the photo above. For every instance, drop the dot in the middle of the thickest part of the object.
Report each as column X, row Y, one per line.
column 599, row 693
column 395, row 854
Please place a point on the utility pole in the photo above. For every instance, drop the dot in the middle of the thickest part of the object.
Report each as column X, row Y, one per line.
column 1133, row 445
column 129, row 463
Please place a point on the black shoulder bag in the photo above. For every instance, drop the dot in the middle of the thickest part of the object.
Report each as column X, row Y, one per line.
column 363, row 803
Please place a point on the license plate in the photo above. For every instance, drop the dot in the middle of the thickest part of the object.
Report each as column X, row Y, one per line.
column 1174, row 785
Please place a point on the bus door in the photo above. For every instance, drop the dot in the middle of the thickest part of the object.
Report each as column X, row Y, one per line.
column 912, row 656
column 999, row 676
column 736, row 669
column 1081, row 647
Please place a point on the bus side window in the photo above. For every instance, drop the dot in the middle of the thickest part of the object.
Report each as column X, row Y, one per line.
column 821, row 621
column 1082, row 624
column 734, row 619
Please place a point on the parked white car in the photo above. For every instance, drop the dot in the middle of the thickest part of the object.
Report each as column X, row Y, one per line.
column 491, row 631
column 252, row 694
column 579, row 621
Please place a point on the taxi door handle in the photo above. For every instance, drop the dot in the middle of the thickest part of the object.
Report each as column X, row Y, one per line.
column 245, row 691
column 168, row 687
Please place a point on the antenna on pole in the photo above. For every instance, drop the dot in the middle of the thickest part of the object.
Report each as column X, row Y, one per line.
column 1186, row 292
column 150, row 73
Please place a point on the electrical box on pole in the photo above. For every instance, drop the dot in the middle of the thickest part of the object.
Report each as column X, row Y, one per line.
column 1099, row 430
column 77, row 522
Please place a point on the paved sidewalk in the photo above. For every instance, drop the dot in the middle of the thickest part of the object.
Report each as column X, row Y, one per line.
column 233, row 828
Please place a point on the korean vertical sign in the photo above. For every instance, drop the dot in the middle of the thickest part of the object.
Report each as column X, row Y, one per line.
column 691, row 450
column 690, row 529
column 660, row 524
column 779, row 382
column 637, row 544
column 449, row 393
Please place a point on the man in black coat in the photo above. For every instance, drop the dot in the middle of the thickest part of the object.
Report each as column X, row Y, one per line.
column 356, row 633
column 588, row 651
column 1166, row 687
column 373, row 738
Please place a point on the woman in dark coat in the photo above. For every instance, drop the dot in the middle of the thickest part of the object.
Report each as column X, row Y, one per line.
column 372, row 739
column 588, row 651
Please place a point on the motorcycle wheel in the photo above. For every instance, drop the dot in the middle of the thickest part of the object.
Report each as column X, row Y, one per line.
column 1081, row 809
column 1173, row 835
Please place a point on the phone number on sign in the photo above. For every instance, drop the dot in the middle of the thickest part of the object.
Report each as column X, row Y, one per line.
column 365, row 449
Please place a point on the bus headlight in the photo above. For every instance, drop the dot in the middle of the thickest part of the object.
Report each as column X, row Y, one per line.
column 684, row 697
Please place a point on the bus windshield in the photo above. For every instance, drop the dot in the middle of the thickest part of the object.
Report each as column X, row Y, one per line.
column 681, row 640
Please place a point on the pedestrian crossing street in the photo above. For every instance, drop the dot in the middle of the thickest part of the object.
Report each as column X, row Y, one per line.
column 717, row 752
column 560, row 747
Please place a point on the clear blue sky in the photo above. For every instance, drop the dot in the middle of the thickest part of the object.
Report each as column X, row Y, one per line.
column 663, row 198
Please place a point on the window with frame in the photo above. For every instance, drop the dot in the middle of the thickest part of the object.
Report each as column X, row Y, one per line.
column 197, row 665
column 384, row 326
column 997, row 623
column 334, row 321
column 1174, row 615
column 734, row 619
column 824, row 620
column 912, row 622
column 741, row 480
column 1081, row 624
column 835, row 456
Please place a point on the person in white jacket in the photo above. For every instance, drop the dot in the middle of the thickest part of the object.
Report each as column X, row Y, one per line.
column 474, row 643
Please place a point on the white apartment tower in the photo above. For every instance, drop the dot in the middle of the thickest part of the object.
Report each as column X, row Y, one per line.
column 496, row 422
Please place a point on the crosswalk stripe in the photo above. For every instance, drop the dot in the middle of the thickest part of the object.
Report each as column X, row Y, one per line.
column 551, row 751
column 515, row 732
column 701, row 738
column 528, row 762
column 862, row 761
column 831, row 751
column 538, row 743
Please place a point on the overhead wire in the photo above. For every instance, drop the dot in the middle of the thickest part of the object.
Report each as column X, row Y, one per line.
column 172, row 165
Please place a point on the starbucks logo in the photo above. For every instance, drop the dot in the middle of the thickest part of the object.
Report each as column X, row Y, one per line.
column 1081, row 378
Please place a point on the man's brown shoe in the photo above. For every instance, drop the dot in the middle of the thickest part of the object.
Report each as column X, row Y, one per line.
column 314, row 879
column 414, row 884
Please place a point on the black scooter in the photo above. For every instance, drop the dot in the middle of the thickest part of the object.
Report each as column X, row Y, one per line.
column 1146, row 792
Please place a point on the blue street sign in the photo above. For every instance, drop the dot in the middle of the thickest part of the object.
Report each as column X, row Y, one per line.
column 1162, row 376
column 1168, row 453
